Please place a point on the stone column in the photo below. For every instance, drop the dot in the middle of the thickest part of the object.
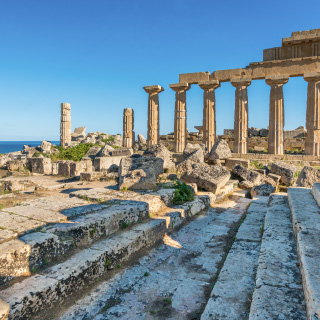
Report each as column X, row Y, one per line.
column 312, row 144
column 153, row 136
column 209, row 112
column 65, row 125
column 128, row 126
column 276, row 115
column 180, row 115
column 241, row 115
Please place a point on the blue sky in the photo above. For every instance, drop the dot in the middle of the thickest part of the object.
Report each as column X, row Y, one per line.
column 98, row 54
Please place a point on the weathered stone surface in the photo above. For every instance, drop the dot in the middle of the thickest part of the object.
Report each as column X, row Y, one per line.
column 122, row 152
column 139, row 173
column 191, row 148
column 247, row 174
column 284, row 170
column 4, row 310
column 235, row 283
column 46, row 146
column 160, row 151
column 128, row 126
column 106, row 163
column 210, row 178
column 65, row 125
column 275, row 177
column 262, row 190
column 220, row 150
column 40, row 165
column 306, row 228
column 14, row 165
column 80, row 131
column 245, row 184
column 106, row 151
column 195, row 157
column 278, row 293
column 93, row 152
column 308, row 176
column 141, row 139
column 232, row 162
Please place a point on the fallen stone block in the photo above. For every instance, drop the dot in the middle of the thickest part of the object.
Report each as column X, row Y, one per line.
column 232, row 162
column 284, row 170
column 210, row 178
column 308, row 177
column 160, row 151
column 107, row 163
column 220, row 150
column 247, row 174
column 139, row 173
column 262, row 190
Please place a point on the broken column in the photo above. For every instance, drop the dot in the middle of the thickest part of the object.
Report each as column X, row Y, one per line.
column 312, row 144
column 241, row 115
column 180, row 116
column 65, row 125
column 209, row 112
column 128, row 126
column 153, row 136
column 276, row 115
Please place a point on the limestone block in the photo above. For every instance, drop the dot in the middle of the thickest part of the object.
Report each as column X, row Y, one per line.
column 139, row 173
column 40, row 165
column 220, row 150
column 106, row 151
column 141, row 139
column 4, row 310
column 247, row 174
column 210, row 178
column 262, row 190
column 14, row 165
column 106, row 163
column 160, row 151
column 64, row 168
column 308, row 177
column 122, row 152
column 93, row 152
column 232, row 162
column 191, row 148
column 46, row 146
column 284, row 170
column 80, row 131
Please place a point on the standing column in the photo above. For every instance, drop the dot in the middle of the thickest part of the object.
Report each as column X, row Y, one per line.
column 276, row 115
column 209, row 112
column 153, row 136
column 312, row 144
column 65, row 125
column 128, row 126
column 180, row 115
column 241, row 115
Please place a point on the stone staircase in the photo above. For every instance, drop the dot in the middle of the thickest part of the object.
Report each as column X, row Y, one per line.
column 240, row 259
column 70, row 243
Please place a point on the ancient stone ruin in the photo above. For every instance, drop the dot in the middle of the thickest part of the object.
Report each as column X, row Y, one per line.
column 106, row 226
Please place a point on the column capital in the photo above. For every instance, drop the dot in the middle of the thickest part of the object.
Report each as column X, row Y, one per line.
column 181, row 86
column 277, row 79
column 241, row 82
column 153, row 89
column 209, row 84
column 312, row 76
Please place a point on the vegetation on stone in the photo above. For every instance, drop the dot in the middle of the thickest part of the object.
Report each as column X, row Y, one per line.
column 183, row 193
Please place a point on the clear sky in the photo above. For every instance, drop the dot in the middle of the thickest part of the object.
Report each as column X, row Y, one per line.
column 98, row 54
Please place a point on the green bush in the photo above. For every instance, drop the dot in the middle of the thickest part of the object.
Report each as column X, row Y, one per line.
column 108, row 140
column 182, row 193
column 74, row 153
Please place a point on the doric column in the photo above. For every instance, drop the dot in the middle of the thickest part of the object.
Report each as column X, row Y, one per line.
column 153, row 114
column 276, row 115
column 128, row 126
column 312, row 144
column 65, row 125
column 241, row 115
column 209, row 112
column 180, row 115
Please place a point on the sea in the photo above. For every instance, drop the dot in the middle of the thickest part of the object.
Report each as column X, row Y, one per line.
column 11, row 146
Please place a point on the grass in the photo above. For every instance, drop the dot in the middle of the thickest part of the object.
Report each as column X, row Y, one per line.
column 182, row 193
column 111, row 139
column 75, row 153
column 257, row 165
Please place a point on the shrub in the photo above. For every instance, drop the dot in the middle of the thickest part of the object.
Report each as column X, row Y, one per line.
column 108, row 140
column 182, row 193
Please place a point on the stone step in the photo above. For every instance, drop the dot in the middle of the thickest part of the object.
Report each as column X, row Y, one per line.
column 56, row 283
column 278, row 292
column 231, row 294
column 305, row 214
column 22, row 256
column 156, row 201
column 316, row 192
column 172, row 280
